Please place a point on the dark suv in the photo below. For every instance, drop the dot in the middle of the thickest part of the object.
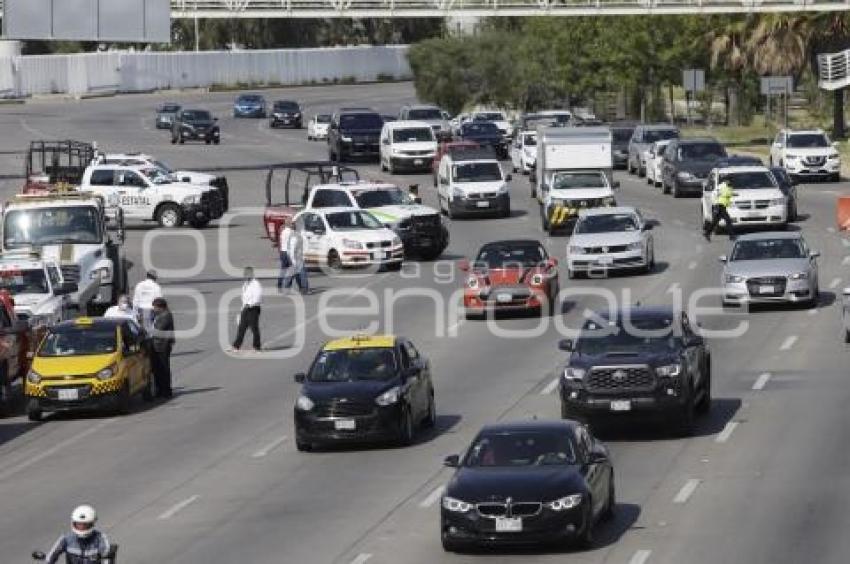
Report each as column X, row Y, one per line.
column 641, row 360
column 286, row 113
column 198, row 125
column 354, row 133
column 686, row 163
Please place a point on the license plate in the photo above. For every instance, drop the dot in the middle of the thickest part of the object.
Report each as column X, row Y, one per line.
column 621, row 405
column 417, row 162
column 69, row 395
column 767, row 289
column 504, row 298
column 345, row 425
column 482, row 204
column 508, row 524
column 606, row 261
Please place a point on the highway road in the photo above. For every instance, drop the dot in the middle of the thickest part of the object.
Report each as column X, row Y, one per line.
column 213, row 475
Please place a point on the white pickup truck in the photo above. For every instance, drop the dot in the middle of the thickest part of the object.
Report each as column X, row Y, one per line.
column 147, row 193
column 37, row 286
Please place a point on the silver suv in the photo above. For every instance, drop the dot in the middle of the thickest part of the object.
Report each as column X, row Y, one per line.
column 642, row 140
column 432, row 115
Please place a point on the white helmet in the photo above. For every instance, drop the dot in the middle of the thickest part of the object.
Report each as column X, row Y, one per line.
column 82, row 520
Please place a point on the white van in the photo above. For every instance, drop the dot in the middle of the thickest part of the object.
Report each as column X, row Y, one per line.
column 409, row 145
column 472, row 182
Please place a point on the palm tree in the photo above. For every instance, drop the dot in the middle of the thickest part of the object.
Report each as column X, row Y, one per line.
column 727, row 54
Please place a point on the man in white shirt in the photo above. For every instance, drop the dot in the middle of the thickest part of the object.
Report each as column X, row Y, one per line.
column 284, row 240
column 122, row 310
column 145, row 293
column 295, row 256
column 252, row 295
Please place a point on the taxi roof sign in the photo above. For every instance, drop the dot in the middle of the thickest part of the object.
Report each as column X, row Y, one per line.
column 361, row 341
column 84, row 321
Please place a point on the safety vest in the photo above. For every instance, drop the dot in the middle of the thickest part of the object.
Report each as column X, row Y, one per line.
column 724, row 195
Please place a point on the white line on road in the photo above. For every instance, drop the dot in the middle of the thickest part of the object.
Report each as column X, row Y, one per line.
column 640, row 557
column 361, row 558
column 454, row 326
column 53, row 450
column 788, row 342
column 550, row 387
column 845, row 242
column 834, row 284
column 178, row 507
column 687, row 491
column 845, row 261
column 831, row 229
column 432, row 498
column 726, row 432
column 269, row 447
column 692, row 265
column 761, row 381
column 813, row 311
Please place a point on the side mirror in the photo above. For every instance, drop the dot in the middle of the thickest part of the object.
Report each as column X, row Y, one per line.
column 616, row 185
column 596, row 457
column 300, row 378
column 463, row 265
column 452, row 461
column 647, row 227
column 508, row 177
column 722, row 258
column 814, row 254
column 38, row 555
column 566, row 345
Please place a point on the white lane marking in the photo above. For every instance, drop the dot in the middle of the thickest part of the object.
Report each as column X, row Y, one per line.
column 454, row 326
column 550, row 387
column 726, row 432
column 269, row 447
column 53, row 450
column 361, row 558
column 432, row 498
column 692, row 265
column 761, row 381
column 831, row 229
column 687, row 491
column 640, row 557
column 177, row 508
column 813, row 312
column 788, row 342
column 834, row 284
column 845, row 242
column 845, row 261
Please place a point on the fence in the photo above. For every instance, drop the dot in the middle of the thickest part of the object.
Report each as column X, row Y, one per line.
column 90, row 73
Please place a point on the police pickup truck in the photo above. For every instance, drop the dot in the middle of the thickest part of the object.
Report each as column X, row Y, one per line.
column 37, row 287
column 147, row 193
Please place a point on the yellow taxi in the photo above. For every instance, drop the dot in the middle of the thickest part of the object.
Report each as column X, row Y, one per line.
column 89, row 363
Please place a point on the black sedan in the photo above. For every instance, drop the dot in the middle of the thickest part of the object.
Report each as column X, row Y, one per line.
column 529, row 482
column 286, row 113
column 486, row 134
column 362, row 389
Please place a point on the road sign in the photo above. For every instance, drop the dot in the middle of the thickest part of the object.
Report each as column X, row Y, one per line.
column 776, row 85
column 136, row 21
column 693, row 80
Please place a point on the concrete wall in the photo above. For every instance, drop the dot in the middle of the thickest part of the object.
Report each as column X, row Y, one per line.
column 93, row 73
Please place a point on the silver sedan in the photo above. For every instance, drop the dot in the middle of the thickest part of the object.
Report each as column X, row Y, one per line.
column 770, row 267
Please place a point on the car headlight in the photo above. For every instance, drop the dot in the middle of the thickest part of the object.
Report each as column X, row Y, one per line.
column 670, row 370
column 636, row 246
column 33, row 377
column 396, row 151
column 345, row 139
column 352, row 244
column 574, row 374
column 106, row 373
column 396, row 241
column 833, row 156
column 565, row 502
column 457, row 193
column 277, row 115
column 456, row 505
column 389, row 397
column 733, row 279
column 685, row 175
column 799, row 276
column 191, row 200
column 777, row 202
column 303, row 403
column 575, row 250
column 472, row 282
column 609, row 201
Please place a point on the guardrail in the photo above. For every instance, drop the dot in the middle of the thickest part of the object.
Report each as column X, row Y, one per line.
column 834, row 70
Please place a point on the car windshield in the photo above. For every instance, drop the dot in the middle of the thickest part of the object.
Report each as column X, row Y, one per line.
column 653, row 334
column 169, row 109
column 767, row 249
column 749, row 180
column 701, row 151
column 622, row 136
column 361, row 121
column 250, row 99
column 288, row 106
column 477, row 172
column 522, row 448
column 351, row 220
column 157, row 175
column 484, row 127
column 489, row 116
column 807, row 141
column 529, row 140
column 197, row 115
column 75, row 341
column 573, row 180
column 608, row 223
column 163, row 166
column 323, row 118
column 51, row 226
column 377, row 364
column 425, row 113
column 653, row 135
column 386, row 197
column 413, row 134
column 30, row 281
column 510, row 256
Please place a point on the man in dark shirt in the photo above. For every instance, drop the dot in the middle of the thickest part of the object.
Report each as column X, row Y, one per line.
column 162, row 340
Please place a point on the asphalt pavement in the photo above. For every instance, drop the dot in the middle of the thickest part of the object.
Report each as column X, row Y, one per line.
column 213, row 475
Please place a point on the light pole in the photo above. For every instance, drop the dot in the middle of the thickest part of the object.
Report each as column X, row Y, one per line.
column 197, row 38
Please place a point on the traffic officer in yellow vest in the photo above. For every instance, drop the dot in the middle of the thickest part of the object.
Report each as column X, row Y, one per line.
column 719, row 210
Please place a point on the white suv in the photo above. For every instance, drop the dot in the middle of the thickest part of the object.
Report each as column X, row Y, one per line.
column 806, row 154
column 757, row 198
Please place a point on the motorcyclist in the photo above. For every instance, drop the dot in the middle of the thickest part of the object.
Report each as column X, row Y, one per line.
column 84, row 544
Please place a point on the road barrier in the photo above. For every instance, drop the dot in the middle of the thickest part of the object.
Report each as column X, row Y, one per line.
column 842, row 213
column 90, row 73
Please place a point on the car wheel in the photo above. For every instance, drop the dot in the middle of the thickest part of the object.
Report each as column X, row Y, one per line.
column 5, row 391
column 334, row 262
column 382, row 166
column 629, row 167
column 431, row 418
column 641, row 172
column 507, row 211
column 34, row 412
column 449, row 213
column 182, row 139
column 685, row 419
column 406, row 430
column 169, row 215
column 147, row 392
column 585, row 538
column 533, row 188
column 611, row 506
column 122, row 405
column 704, row 405
column 650, row 263
column 303, row 446
column 665, row 189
